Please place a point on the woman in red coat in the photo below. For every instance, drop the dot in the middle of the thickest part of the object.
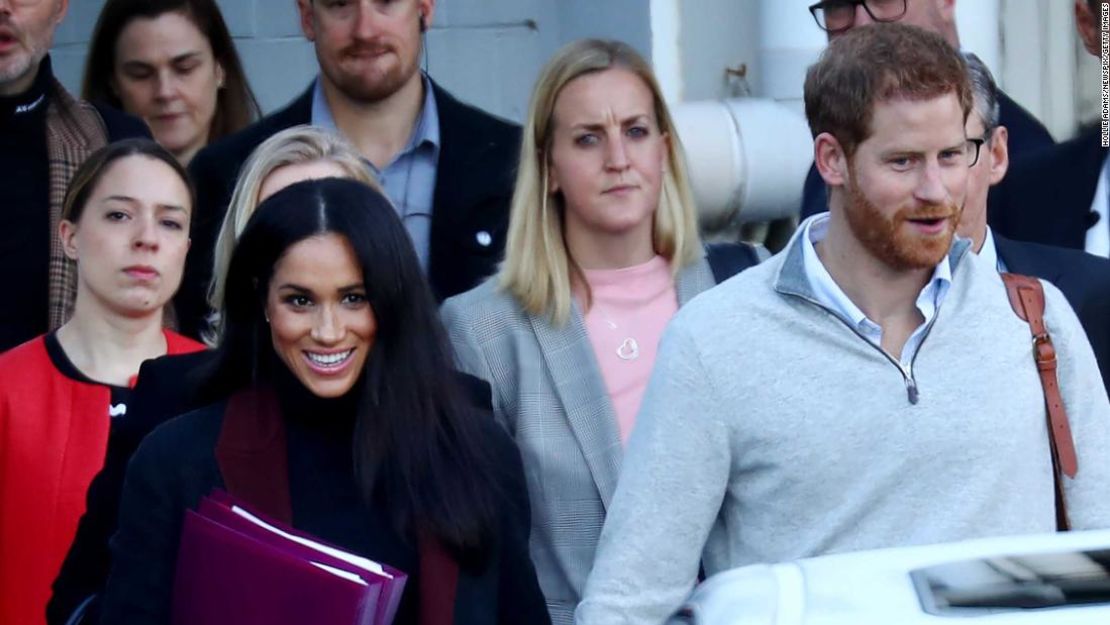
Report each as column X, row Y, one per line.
column 125, row 224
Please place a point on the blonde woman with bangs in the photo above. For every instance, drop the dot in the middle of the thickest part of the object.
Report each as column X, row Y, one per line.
column 602, row 250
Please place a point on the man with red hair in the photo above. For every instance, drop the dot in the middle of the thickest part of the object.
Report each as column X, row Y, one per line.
column 870, row 385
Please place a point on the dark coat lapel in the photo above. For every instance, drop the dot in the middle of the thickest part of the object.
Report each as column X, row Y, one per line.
column 1079, row 171
column 1022, row 259
column 475, row 175
column 464, row 152
column 252, row 454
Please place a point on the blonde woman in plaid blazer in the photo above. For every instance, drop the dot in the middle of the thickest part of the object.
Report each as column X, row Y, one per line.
column 601, row 185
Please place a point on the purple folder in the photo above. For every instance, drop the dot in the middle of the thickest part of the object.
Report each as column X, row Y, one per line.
column 231, row 570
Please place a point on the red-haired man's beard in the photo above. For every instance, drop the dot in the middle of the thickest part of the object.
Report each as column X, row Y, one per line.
column 913, row 238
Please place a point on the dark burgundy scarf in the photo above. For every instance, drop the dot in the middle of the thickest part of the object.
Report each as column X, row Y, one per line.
column 254, row 463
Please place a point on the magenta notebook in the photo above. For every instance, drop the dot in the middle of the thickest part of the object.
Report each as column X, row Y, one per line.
column 235, row 566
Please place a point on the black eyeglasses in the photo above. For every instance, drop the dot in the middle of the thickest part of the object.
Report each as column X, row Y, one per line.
column 976, row 144
column 837, row 16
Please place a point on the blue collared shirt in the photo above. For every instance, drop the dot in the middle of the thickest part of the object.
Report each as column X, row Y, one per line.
column 410, row 179
column 830, row 295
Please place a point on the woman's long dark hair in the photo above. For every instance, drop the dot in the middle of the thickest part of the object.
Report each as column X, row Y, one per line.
column 236, row 106
column 416, row 442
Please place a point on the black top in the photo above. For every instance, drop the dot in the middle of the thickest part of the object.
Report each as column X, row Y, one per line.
column 325, row 497
column 1026, row 136
column 176, row 466
column 24, row 220
column 474, row 185
column 119, row 395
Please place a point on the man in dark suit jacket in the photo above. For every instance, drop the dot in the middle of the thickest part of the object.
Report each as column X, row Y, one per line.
column 45, row 135
column 413, row 134
column 1026, row 133
column 1050, row 196
column 1084, row 279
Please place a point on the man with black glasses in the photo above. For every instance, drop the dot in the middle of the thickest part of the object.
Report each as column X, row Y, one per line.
column 1084, row 279
column 837, row 17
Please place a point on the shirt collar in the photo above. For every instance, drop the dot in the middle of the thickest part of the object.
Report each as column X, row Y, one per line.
column 989, row 252
column 1098, row 237
column 829, row 293
column 425, row 132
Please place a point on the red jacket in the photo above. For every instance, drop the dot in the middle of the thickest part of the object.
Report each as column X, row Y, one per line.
column 53, row 438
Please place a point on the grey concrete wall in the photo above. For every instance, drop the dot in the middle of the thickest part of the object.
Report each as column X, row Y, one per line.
column 487, row 52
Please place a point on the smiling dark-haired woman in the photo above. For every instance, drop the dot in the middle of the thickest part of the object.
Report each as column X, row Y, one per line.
column 341, row 386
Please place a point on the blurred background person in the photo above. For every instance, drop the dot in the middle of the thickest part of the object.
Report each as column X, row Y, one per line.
column 330, row 325
column 447, row 167
column 125, row 224
column 1084, row 279
column 836, row 17
column 45, row 134
column 1061, row 196
column 602, row 250
column 172, row 63
column 170, row 386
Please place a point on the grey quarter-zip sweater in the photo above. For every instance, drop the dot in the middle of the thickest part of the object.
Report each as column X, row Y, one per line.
column 772, row 431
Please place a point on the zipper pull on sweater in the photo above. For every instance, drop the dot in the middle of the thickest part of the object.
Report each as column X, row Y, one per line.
column 911, row 390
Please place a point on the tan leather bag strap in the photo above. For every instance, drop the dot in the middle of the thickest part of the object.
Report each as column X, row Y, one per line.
column 1027, row 299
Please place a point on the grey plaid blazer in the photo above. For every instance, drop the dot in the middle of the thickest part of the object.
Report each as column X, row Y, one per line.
column 549, row 393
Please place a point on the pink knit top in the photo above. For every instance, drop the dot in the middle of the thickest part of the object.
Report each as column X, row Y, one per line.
column 629, row 310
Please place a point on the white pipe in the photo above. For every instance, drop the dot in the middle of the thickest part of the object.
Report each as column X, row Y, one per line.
column 748, row 158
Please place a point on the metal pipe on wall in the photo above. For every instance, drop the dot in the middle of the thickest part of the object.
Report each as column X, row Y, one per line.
column 748, row 157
